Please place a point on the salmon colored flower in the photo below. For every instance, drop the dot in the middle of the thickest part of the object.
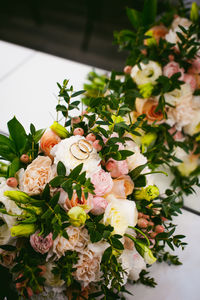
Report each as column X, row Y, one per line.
column 48, row 141
column 122, row 186
column 67, row 204
column 148, row 107
column 156, row 33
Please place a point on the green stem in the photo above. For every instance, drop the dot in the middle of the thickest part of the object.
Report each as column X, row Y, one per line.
column 141, row 232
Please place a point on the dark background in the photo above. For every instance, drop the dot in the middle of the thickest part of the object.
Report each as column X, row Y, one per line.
column 80, row 30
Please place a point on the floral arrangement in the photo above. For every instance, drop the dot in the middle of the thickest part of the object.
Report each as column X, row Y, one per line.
column 79, row 211
column 161, row 82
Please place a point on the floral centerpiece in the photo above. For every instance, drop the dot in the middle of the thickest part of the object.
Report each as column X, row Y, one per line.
column 161, row 83
column 79, row 211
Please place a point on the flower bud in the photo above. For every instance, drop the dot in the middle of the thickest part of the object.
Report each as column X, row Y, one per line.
column 78, row 131
column 149, row 193
column 142, row 223
column 146, row 89
column 17, row 196
column 150, row 41
column 12, row 182
column 77, row 216
column 97, row 146
column 24, row 158
column 159, row 229
column 148, row 140
column 194, row 13
column 59, row 130
column 23, row 230
column 145, row 252
column 91, row 137
column 37, row 210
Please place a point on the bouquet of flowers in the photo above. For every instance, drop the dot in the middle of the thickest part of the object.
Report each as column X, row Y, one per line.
column 79, row 211
column 161, row 82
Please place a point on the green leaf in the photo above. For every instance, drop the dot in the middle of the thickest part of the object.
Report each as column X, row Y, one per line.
column 125, row 154
column 18, row 134
column 134, row 17
column 14, row 167
column 117, row 244
column 149, row 12
column 46, row 193
column 61, row 170
column 76, row 171
column 137, row 171
column 38, row 134
column 57, row 181
column 77, row 93
column 107, row 255
column 8, row 247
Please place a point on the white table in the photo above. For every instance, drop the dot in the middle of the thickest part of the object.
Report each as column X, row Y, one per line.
column 28, row 89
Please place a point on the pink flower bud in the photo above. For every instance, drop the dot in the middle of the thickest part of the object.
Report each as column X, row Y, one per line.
column 12, row 182
column 153, row 235
column 127, row 69
column 151, row 223
column 91, row 137
column 142, row 223
column 159, row 228
column 97, row 146
column 140, row 215
column 78, row 131
column 24, row 158
column 75, row 120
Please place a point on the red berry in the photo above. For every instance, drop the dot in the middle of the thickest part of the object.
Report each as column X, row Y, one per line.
column 151, row 223
column 127, row 69
column 24, row 158
column 142, row 223
column 78, row 131
column 96, row 145
column 91, row 137
column 159, row 228
column 140, row 215
column 153, row 235
column 75, row 120
column 12, row 182
column 145, row 216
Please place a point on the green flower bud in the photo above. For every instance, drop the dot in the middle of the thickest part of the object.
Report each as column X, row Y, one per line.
column 77, row 216
column 37, row 210
column 149, row 193
column 18, row 196
column 148, row 140
column 23, row 230
column 194, row 13
column 151, row 41
column 146, row 89
column 145, row 252
column 59, row 130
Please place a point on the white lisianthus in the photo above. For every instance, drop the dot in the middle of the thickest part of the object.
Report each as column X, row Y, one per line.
column 180, row 21
column 171, row 37
column 133, row 263
column 188, row 165
column 184, row 94
column 194, row 126
column 120, row 213
column 180, row 154
column 137, row 159
column 147, row 73
column 74, row 151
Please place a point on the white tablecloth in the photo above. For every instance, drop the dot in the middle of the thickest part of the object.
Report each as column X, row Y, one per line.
column 28, row 90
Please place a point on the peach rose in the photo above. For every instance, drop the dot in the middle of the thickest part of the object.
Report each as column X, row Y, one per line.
column 36, row 176
column 122, row 186
column 148, row 107
column 158, row 32
column 48, row 141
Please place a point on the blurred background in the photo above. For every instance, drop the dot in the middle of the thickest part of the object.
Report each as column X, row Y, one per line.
column 80, row 30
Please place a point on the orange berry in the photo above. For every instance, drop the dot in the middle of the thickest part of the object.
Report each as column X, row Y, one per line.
column 91, row 137
column 96, row 145
column 142, row 223
column 78, row 131
column 159, row 228
column 24, row 158
column 12, row 182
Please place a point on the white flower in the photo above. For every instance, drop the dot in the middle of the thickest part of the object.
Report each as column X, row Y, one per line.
column 87, row 268
column 98, row 248
column 133, row 263
column 50, row 278
column 137, row 159
column 180, row 21
column 120, row 213
column 194, row 126
column 188, row 165
column 180, row 154
column 180, row 116
column 74, row 151
column 146, row 73
column 171, row 37
column 175, row 97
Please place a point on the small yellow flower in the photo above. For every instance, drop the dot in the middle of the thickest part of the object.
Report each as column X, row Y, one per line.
column 148, row 140
column 149, row 193
column 59, row 130
column 146, row 89
column 77, row 216
column 194, row 13
column 151, row 41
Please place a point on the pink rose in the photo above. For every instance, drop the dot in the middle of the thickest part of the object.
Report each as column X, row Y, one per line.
column 41, row 244
column 117, row 168
column 195, row 67
column 190, row 79
column 99, row 205
column 172, row 68
column 102, row 182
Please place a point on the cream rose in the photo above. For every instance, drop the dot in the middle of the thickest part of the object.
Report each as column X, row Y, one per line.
column 120, row 213
column 33, row 180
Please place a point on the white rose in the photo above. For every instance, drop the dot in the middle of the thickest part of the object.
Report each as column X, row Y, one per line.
column 74, row 151
column 120, row 213
column 133, row 263
column 147, row 73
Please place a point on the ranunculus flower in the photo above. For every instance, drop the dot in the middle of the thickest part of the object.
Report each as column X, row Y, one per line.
column 48, row 141
column 102, row 182
column 172, row 68
column 120, row 213
column 122, row 186
column 99, row 205
column 41, row 244
column 117, row 168
column 148, row 107
column 147, row 73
